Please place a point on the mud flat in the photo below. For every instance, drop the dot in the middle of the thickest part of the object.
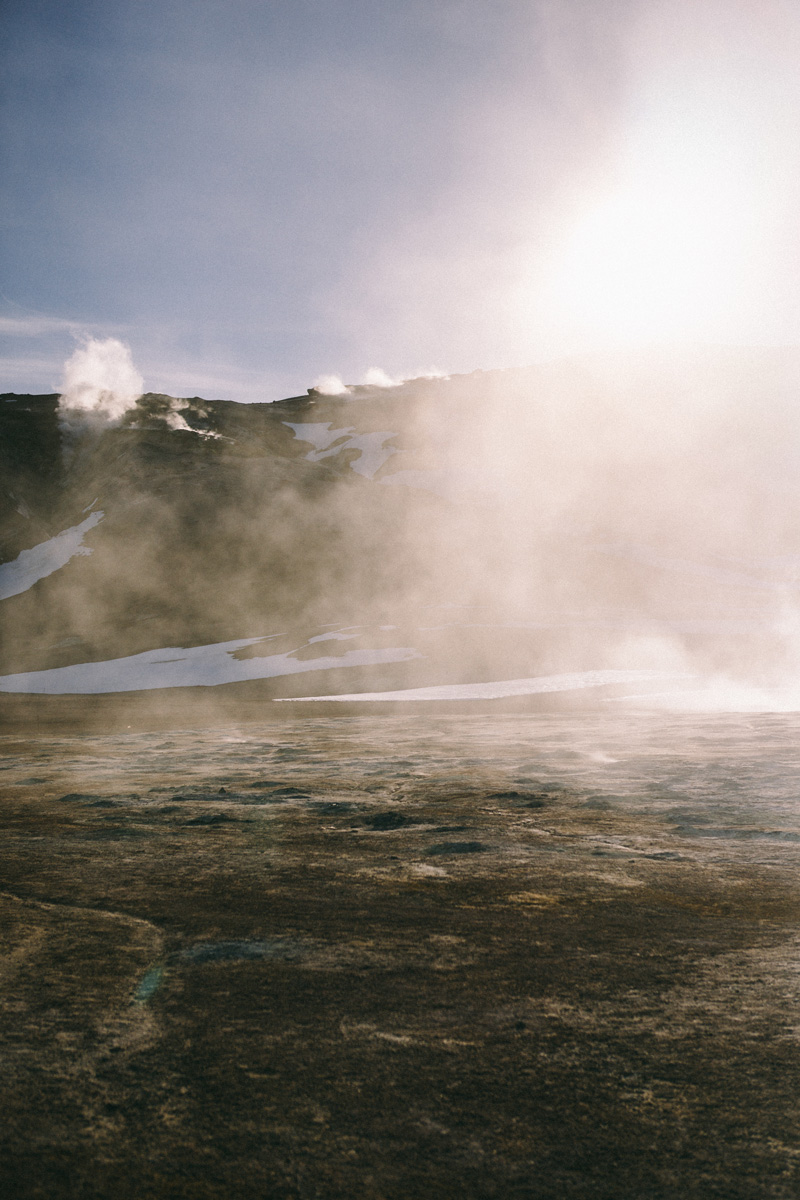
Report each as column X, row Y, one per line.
column 535, row 956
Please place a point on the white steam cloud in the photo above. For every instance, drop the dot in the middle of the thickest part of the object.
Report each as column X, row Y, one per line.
column 100, row 384
column 330, row 385
column 375, row 377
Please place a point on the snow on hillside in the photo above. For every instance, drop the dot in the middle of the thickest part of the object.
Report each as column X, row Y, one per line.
column 611, row 518
column 500, row 689
column 40, row 561
column 196, row 666
column 372, row 451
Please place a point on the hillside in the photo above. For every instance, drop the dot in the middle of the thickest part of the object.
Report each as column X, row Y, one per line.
column 630, row 517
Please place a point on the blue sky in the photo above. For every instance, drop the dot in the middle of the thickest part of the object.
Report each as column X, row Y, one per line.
column 251, row 193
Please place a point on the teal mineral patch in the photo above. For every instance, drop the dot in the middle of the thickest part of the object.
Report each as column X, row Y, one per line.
column 148, row 985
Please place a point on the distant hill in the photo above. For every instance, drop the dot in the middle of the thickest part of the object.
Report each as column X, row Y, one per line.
column 634, row 515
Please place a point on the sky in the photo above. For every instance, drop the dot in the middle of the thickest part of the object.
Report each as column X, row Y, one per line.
column 252, row 194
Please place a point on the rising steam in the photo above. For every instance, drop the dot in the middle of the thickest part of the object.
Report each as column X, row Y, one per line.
column 330, row 385
column 373, row 377
column 100, row 384
column 624, row 514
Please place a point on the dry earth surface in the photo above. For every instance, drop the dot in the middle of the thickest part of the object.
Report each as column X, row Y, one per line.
column 394, row 958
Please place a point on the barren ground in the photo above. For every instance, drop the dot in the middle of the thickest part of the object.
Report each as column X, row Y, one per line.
column 391, row 958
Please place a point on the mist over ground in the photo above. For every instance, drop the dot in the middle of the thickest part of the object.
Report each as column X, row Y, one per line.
column 624, row 513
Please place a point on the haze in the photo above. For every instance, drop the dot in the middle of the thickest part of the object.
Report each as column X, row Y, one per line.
column 253, row 196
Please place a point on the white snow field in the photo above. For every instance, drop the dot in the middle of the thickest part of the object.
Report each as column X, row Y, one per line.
column 195, row 666
column 326, row 442
column 32, row 565
column 502, row 688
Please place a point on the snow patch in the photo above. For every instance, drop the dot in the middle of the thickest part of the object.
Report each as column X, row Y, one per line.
column 373, row 452
column 32, row 565
column 197, row 666
column 502, row 688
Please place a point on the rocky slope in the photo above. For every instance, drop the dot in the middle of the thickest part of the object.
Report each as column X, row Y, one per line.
column 636, row 516
column 145, row 535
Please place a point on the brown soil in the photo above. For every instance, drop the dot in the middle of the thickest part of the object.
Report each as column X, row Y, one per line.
column 456, row 990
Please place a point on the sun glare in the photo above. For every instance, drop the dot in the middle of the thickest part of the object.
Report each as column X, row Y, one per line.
column 662, row 253
column 650, row 263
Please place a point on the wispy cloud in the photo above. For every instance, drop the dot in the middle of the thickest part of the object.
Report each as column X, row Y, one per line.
column 29, row 373
column 223, row 382
column 36, row 345
column 224, row 225
column 36, row 326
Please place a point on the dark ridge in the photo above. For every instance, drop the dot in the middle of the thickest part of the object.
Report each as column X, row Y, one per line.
column 212, row 819
column 457, row 848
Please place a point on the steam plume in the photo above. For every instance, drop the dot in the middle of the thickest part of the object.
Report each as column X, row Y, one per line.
column 374, row 377
column 377, row 377
column 330, row 385
column 100, row 384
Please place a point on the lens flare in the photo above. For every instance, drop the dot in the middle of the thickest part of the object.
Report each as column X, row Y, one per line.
column 665, row 247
